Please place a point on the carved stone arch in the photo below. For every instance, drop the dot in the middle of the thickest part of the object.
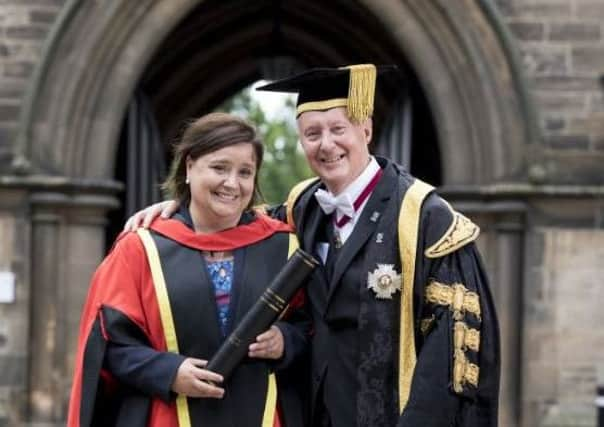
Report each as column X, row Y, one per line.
column 92, row 63
column 99, row 51
column 97, row 55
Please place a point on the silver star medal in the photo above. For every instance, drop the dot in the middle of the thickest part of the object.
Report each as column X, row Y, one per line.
column 384, row 281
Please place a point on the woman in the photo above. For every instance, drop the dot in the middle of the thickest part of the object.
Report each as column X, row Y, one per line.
column 162, row 301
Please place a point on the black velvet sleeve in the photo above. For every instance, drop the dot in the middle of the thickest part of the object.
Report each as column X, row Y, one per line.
column 132, row 361
column 456, row 379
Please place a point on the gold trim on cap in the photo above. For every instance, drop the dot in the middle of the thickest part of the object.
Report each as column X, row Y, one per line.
column 321, row 105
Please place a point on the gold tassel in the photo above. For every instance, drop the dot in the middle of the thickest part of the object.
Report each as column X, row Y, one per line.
column 361, row 91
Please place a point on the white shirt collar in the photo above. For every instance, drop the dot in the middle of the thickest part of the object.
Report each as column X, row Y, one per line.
column 356, row 187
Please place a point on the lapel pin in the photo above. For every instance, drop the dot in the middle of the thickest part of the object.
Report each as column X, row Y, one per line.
column 374, row 216
column 379, row 238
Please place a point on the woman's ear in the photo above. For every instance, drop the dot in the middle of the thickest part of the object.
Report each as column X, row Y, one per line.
column 188, row 164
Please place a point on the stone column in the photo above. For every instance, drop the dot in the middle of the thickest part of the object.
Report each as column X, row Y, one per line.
column 14, row 313
column 65, row 241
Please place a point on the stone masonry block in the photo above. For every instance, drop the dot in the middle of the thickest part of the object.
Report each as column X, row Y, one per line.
column 590, row 9
column 596, row 103
column 593, row 124
column 13, row 370
column 598, row 144
column 528, row 31
column 566, row 83
column 43, row 16
column 545, row 60
column 541, row 381
column 7, row 239
column 9, row 113
column 18, row 69
column 567, row 142
column 13, row 14
column 562, row 102
column 541, row 9
column 575, row 31
column 588, row 59
column 26, row 32
column 554, row 124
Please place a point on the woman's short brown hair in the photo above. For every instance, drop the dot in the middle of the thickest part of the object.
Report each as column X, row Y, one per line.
column 205, row 135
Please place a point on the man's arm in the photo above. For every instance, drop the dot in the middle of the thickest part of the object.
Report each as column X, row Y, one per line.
column 145, row 217
column 456, row 378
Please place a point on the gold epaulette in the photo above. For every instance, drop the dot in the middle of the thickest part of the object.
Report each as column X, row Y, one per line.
column 461, row 232
column 293, row 195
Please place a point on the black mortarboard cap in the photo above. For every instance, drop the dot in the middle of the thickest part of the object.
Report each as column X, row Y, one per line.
column 319, row 89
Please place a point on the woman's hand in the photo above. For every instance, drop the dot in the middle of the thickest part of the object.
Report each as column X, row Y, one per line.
column 193, row 381
column 145, row 217
column 268, row 345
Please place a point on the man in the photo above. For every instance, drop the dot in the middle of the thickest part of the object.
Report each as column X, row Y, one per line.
column 405, row 332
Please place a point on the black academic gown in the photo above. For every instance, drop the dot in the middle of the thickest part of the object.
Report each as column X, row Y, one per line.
column 355, row 347
column 132, row 386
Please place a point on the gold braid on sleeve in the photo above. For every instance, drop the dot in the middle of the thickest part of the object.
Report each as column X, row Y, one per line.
column 460, row 301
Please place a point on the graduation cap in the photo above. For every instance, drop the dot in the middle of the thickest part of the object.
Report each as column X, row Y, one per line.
column 318, row 89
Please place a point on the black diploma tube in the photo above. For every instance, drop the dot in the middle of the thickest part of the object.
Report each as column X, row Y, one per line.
column 263, row 313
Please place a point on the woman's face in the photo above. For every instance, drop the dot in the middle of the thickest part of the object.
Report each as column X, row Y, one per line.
column 222, row 185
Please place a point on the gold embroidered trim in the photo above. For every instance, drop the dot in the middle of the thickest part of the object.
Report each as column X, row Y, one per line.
column 459, row 299
column 293, row 195
column 465, row 337
column 464, row 372
column 461, row 232
column 426, row 324
column 408, row 230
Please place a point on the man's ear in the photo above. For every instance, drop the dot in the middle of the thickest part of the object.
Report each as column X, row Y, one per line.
column 368, row 129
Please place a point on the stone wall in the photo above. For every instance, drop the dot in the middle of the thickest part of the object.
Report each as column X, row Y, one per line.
column 561, row 44
column 564, row 337
column 24, row 26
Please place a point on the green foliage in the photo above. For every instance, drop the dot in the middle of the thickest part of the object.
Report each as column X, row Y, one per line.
column 284, row 162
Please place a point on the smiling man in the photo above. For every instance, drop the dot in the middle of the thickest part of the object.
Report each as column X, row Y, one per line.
column 405, row 331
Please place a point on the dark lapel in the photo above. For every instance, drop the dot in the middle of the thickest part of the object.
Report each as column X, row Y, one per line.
column 188, row 284
column 371, row 215
column 310, row 226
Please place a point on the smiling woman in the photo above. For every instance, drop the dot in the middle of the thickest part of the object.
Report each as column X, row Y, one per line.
column 165, row 299
column 221, row 186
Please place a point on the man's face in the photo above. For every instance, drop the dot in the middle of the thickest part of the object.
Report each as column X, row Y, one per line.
column 336, row 149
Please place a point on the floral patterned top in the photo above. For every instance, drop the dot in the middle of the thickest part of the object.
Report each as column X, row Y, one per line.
column 221, row 274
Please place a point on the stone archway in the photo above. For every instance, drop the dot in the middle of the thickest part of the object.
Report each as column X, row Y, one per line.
column 97, row 55
column 94, row 60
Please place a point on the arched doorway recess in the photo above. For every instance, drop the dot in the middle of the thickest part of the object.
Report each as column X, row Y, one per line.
column 99, row 54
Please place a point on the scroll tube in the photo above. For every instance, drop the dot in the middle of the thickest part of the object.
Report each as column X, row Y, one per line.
column 263, row 313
